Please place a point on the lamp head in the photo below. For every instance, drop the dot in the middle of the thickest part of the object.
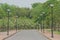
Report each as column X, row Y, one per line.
column 43, row 12
column 16, row 16
column 8, row 10
column 51, row 5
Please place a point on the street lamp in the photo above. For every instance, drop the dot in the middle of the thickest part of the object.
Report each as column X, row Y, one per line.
column 38, row 23
column 52, row 5
column 8, row 10
column 41, row 22
column 43, row 13
column 16, row 24
column 42, row 18
column 3, row 23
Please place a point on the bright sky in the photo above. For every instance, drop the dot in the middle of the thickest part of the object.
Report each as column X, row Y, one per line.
column 22, row 3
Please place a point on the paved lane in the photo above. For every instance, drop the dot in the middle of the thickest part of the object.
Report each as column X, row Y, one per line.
column 27, row 35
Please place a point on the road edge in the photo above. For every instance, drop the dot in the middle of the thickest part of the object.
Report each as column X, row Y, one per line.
column 45, row 35
column 9, row 36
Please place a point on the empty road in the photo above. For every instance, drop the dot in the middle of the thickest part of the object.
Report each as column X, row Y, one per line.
column 27, row 35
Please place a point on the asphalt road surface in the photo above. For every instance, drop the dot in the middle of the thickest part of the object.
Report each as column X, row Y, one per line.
column 28, row 35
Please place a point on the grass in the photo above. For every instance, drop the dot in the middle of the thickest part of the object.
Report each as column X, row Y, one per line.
column 56, row 32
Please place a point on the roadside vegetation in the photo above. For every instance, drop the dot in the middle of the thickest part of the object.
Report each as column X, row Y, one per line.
column 30, row 18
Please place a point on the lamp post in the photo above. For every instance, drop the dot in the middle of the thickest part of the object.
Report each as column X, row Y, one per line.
column 8, row 10
column 38, row 24
column 51, row 5
column 16, row 24
column 43, row 13
column 41, row 22
column 3, row 24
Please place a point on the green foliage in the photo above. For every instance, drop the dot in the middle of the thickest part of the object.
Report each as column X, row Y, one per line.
column 29, row 17
column 38, row 8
